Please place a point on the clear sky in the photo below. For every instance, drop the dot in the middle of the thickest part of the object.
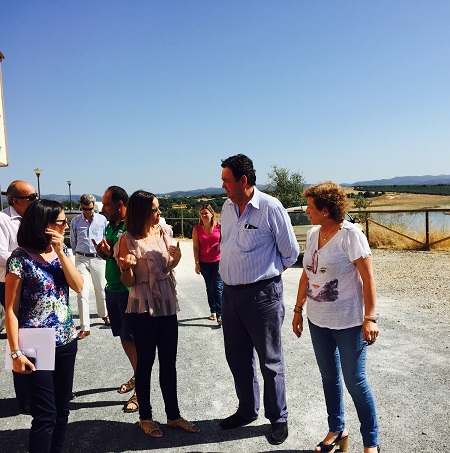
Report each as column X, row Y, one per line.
column 152, row 94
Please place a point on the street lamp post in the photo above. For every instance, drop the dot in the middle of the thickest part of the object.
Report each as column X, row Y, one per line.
column 70, row 195
column 38, row 172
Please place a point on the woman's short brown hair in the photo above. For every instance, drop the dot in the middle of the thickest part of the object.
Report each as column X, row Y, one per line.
column 331, row 196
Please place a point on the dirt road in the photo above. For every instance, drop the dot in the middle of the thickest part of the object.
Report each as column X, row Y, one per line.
column 407, row 368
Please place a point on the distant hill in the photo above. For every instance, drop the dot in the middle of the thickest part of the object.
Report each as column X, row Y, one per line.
column 396, row 181
column 194, row 193
column 404, row 181
column 61, row 198
column 199, row 192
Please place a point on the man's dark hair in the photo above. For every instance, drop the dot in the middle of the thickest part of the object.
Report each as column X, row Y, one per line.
column 118, row 194
column 241, row 165
column 38, row 215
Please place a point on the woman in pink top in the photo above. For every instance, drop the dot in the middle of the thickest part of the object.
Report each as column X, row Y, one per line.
column 206, row 241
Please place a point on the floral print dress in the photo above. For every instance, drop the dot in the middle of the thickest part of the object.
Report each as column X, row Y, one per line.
column 44, row 299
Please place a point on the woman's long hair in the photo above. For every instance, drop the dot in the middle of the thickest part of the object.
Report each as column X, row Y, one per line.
column 139, row 211
column 37, row 216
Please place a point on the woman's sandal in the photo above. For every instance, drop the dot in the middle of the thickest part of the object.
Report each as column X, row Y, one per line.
column 150, row 428
column 341, row 442
column 212, row 317
column 181, row 423
column 131, row 405
column 127, row 386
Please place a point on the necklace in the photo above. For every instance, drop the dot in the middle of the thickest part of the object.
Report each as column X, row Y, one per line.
column 329, row 232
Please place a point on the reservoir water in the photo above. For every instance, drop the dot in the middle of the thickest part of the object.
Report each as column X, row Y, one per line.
column 438, row 221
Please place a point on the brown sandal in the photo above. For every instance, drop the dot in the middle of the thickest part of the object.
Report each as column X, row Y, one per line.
column 150, row 428
column 127, row 386
column 131, row 405
column 181, row 423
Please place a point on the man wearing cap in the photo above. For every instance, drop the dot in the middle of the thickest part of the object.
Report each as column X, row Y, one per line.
column 86, row 229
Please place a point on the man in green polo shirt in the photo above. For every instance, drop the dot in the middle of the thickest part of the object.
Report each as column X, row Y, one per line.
column 115, row 207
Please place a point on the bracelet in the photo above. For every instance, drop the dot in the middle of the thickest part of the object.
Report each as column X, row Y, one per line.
column 370, row 318
column 298, row 309
column 16, row 353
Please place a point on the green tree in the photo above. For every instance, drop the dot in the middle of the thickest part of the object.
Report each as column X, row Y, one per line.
column 361, row 203
column 286, row 186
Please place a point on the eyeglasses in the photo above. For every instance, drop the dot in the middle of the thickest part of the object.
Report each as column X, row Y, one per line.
column 87, row 209
column 154, row 210
column 61, row 222
column 31, row 197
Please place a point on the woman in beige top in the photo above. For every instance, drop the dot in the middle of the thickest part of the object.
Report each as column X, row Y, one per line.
column 147, row 259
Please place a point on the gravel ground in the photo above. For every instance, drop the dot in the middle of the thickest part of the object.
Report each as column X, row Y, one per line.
column 418, row 282
column 407, row 368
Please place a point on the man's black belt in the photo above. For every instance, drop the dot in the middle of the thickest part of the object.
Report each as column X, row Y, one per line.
column 248, row 285
column 89, row 255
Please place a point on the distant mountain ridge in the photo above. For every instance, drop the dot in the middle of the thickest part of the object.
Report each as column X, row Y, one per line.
column 397, row 180
column 199, row 192
column 405, row 181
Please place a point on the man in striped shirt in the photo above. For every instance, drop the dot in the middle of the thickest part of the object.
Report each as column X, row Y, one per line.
column 258, row 243
column 84, row 229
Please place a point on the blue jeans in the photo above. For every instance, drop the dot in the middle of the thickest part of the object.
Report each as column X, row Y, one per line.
column 346, row 349
column 210, row 272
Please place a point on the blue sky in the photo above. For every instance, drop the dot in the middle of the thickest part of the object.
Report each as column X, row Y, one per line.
column 153, row 94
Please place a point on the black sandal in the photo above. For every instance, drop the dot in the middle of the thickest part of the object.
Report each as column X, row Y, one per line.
column 341, row 442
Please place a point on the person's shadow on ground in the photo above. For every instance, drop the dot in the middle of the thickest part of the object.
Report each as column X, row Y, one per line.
column 112, row 436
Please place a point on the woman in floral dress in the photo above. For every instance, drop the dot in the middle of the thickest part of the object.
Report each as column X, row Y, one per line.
column 39, row 274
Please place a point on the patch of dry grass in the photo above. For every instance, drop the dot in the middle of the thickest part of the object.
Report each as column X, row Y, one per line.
column 380, row 237
column 403, row 238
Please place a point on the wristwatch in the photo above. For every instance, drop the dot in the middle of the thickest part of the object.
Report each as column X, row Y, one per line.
column 16, row 353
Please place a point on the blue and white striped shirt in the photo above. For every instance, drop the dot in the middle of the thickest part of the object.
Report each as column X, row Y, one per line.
column 82, row 232
column 259, row 243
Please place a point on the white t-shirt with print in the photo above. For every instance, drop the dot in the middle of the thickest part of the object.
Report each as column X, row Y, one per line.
column 335, row 292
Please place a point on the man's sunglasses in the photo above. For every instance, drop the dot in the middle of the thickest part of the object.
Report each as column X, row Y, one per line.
column 31, row 197
column 87, row 209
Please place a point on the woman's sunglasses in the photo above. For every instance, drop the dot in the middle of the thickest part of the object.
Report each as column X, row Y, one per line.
column 61, row 222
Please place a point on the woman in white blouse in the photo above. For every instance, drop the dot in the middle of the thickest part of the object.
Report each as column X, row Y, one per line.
column 338, row 288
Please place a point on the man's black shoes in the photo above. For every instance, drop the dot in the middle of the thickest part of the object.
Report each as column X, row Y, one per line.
column 279, row 433
column 235, row 421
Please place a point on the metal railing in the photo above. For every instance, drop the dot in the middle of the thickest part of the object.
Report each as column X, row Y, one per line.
column 185, row 225
column 427, row 211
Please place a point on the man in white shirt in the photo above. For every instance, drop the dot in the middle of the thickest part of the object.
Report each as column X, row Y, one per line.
column 20, row 194
column 257, row 244
column 84, row 229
